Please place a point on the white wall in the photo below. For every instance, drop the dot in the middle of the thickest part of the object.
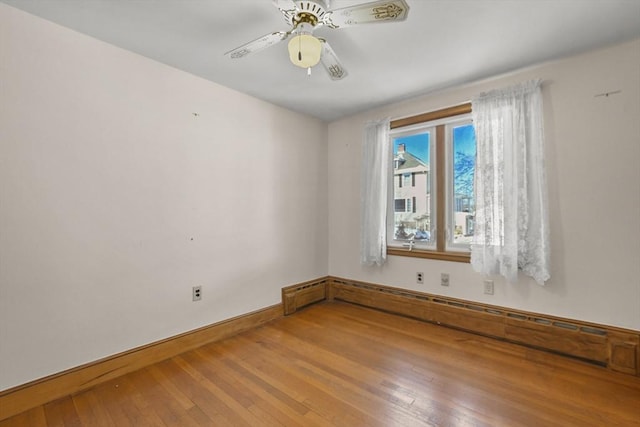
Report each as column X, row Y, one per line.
column 116, row 199
column 593, row 166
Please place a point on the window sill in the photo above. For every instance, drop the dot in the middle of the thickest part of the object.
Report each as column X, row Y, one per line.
column 442, row 256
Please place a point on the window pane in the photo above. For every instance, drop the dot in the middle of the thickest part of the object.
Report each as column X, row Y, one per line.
column 412, row 192
column 464, row 162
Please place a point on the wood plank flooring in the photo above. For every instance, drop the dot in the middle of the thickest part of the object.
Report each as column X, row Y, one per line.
column 336, row 364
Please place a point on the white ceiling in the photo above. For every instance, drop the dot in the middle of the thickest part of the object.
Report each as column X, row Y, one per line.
column 442, row 43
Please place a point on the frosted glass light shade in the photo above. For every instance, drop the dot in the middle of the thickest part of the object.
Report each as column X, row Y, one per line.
column 305, row 50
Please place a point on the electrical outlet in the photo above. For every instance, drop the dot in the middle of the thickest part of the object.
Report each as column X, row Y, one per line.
column 444, row 279
column 196, row 293
column 419, row 278
column 488, row 287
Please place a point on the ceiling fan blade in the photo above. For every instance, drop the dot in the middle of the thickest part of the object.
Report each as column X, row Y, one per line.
column 287, row 7
column 377, row 11
column 258, row 44
column 331, row 63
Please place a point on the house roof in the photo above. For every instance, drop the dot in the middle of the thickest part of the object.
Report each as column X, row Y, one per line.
column 411, row 163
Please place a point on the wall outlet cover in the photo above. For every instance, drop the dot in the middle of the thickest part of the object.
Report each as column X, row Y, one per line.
column 444, row 279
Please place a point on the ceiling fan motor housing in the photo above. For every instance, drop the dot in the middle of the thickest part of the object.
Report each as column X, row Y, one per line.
column 309, row 12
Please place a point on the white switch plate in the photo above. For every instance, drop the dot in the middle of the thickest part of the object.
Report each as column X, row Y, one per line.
column 488, row 287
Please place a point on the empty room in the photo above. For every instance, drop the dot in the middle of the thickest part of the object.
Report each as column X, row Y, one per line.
column 319, row 213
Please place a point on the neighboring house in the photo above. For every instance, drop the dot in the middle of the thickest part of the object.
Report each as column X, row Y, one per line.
column 412, row 200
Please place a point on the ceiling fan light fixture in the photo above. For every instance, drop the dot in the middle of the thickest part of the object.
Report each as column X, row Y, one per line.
column 305, row 50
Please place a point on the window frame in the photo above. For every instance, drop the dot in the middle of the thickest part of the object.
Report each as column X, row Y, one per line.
column 441, row 251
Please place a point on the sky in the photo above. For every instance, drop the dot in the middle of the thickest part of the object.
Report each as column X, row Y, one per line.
column 464, row 140
column 418, row 144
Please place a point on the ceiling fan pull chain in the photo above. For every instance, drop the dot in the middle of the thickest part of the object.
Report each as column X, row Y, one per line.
column 309, row 71
column 300, row 49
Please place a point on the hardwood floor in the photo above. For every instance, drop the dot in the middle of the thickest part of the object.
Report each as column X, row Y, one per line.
column 336, row 364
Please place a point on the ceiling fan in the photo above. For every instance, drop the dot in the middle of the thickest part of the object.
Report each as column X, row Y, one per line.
column 305, row 16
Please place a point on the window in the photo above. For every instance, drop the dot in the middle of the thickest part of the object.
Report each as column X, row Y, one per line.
column 462, row 157
column 431, row 211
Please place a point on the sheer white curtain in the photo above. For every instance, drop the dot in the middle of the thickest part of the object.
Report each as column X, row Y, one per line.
column 511, row 230
column 376, row 151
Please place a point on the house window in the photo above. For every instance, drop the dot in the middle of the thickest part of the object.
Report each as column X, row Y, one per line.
column 434, row 162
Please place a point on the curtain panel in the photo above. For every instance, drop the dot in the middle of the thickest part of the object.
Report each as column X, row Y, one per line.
column 376, row 152
column 511, row 224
